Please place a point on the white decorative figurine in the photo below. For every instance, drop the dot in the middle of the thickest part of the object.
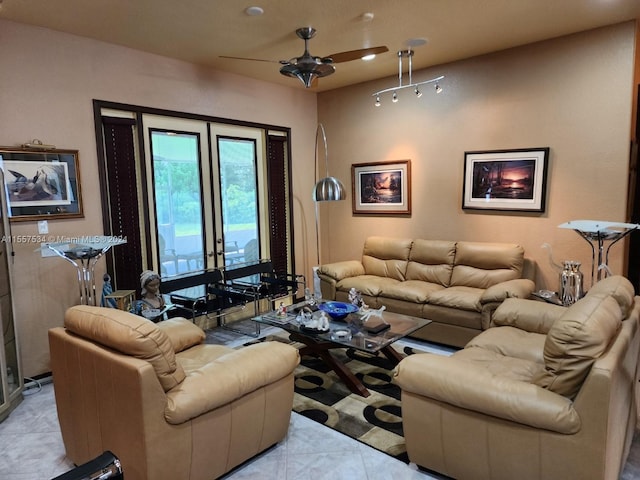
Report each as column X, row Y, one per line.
column 323, row 322
column 372, row 313
column 355, row 298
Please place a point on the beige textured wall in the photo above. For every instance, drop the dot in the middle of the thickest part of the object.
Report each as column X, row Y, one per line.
column 572, row 94
column 48, row 81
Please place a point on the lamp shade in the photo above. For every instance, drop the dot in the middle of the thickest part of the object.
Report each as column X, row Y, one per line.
column 329, row 189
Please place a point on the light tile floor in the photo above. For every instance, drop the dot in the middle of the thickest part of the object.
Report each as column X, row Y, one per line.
column 31, row 448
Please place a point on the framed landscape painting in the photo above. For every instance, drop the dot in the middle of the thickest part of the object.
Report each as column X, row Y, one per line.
column 381, row 187
column 506, row 180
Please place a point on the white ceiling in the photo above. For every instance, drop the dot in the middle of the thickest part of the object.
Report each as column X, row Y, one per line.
column 199, row 31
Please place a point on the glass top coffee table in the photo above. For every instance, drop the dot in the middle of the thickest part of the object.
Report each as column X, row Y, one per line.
column 348, row 333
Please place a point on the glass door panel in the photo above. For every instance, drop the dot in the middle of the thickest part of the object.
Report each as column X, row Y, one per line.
column 239, row 199
column 178, row 201
column 239, row 168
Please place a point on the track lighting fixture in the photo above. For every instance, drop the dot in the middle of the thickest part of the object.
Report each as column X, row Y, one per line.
column 406, row 54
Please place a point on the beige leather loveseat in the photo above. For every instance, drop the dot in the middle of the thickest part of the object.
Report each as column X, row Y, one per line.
column 545, row 394
column 456, row 285
column 169, row 406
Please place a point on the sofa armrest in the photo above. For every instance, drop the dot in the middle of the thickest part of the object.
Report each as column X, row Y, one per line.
column 529, row 315
column 465, row 385
column 331, row 273
column 516, row 288
column 228, row 378
column 341, row 270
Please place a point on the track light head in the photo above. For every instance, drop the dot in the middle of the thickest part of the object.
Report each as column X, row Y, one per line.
column 415, row 86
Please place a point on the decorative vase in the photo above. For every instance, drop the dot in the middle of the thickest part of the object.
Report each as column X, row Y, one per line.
column 571, row 286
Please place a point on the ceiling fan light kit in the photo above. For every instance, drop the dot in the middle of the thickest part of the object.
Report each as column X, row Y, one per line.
column 408, row 54
column 308, row 68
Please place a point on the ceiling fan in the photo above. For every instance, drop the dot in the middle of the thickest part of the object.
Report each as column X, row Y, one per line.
column 307, row 67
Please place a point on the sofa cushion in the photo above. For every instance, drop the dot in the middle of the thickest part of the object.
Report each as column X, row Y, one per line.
column 511, row 342
column 431, row 261
column 461, row 298
column 369, row 285
column 200, row 355
column 386, row 257
column 415, row 291
column 500, row 365
column 128, row 334
column 182, row 333
column 481, row 265
column 576, row 340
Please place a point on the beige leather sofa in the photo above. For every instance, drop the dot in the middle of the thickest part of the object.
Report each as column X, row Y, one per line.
column 169, row 406
column 457, row 285
column 545, row 394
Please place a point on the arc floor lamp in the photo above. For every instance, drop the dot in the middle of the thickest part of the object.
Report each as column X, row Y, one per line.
column 327, row 189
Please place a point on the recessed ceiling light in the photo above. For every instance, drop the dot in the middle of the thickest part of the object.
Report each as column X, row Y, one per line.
column 416, row 42
column 253, row 11
column 366, row 58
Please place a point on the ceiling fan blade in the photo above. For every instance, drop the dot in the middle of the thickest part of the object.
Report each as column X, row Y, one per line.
column 254, row 59
column 356, row 54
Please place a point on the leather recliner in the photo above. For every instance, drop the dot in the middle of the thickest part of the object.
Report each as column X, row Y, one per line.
column 168, row 405
column 546, row 393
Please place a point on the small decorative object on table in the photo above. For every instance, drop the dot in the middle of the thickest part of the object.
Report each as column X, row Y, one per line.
column 338, row 310
column 304, row 316
column 319, row 324
column 571, row 289
column 282, row 310
column 355, row 297
column 374, row 326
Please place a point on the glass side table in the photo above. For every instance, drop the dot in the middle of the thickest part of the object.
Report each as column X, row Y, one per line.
column 598, row 233
column 83, row 253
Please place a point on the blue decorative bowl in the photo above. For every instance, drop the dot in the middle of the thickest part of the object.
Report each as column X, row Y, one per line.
column 338, row 310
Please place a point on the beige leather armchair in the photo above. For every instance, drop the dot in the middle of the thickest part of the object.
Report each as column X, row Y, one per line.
column 169, row 406
column 547, row 393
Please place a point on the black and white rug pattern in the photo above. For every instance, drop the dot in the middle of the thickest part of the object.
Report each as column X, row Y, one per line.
column 375, row 420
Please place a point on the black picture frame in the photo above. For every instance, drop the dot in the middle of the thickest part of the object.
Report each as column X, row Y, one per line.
column 373, row 198
column 506, row 180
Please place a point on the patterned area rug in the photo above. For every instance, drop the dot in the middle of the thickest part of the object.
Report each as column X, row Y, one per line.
column 321, row 396
column 376, row 420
